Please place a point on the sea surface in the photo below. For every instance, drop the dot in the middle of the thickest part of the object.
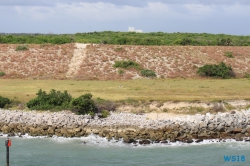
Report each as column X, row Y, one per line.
column 96, row 151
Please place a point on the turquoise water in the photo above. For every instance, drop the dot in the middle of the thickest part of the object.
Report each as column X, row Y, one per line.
column 97, row 151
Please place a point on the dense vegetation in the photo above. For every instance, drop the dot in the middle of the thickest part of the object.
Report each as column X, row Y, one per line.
column 53, row 100
column 131, row 38
column 129, row 64
column 56, row 100
column 148, row 73
column 84, row 104
column 4, row 101
column 126, row 64
column 217, row 71
column 36, row 39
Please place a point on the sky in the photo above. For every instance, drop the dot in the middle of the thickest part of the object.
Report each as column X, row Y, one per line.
column 78, row 16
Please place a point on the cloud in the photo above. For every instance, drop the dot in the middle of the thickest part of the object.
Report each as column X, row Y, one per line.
column 120, row 2
column 27, row 3
column 71, row 16
column 110, row 12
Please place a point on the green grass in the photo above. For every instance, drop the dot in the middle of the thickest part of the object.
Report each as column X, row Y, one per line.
column 22, row 48
column 149, row 89
column 229, row 54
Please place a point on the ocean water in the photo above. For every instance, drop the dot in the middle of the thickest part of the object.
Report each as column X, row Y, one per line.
column 96, row 151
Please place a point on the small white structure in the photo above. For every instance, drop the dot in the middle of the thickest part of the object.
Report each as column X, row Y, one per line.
column 132, row 29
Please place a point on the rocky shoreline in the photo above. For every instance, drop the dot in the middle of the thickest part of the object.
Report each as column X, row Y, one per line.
column 131, row 128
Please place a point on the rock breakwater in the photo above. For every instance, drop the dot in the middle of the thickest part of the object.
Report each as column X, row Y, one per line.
column 131, row 128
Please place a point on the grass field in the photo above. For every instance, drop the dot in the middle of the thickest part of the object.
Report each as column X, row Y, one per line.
column 140, row 89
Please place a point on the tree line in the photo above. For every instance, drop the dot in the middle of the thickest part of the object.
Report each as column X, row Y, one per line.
column 130, row 38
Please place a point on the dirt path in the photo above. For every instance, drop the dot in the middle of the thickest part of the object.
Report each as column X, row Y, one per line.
column 78, row 56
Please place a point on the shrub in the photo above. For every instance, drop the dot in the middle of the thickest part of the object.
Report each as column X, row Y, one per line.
column 224, row 42
column 4, row 101
column 22, row 47
column 218, row 107
column 229, row 54
column 102, row 104
column 148, row 73
column 184, row 41
column 84, row 105
column 54, row 100
column 131, row 64
column 247, row 75
column 165, row 110
column 2, row 73
column 15, row 104
column 126, row 64
column 216, row 71
column 121, row 72
column 105, row 113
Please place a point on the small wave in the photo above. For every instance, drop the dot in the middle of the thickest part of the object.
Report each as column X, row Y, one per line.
column 95, row 140
column 3, row 135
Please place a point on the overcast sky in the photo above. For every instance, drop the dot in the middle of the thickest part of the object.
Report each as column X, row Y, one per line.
column 72, row 16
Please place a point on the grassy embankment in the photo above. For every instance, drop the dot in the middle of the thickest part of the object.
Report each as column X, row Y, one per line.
column 141, row 89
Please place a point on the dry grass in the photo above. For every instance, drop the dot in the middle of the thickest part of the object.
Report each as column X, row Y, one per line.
column 139, row 89
column 53, row 61
column 50, row 62
column 40, row 61
column 166, row 61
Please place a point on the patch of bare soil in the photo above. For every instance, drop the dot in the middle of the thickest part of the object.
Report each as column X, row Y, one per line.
column 78, row 57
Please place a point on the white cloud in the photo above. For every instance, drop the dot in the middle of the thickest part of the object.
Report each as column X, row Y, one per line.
column 161, row 15
column 34, row 12
column 120, row 2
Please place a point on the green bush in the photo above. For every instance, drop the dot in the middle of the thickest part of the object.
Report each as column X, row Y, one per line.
column 121, row 72
column 184, row 41
column 229, row 54
column 131, row 64
column 83, row 105
column 22, row 47
column 126, row 64
column 247, row 75
column 54, row 100
column 105, row 113
column 224, row 42
column 2, row 73
column 148, row 73
column 216, row 71
column 4, row 101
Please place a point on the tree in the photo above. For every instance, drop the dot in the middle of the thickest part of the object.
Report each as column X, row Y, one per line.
column 84, row 104
column 53, row 100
